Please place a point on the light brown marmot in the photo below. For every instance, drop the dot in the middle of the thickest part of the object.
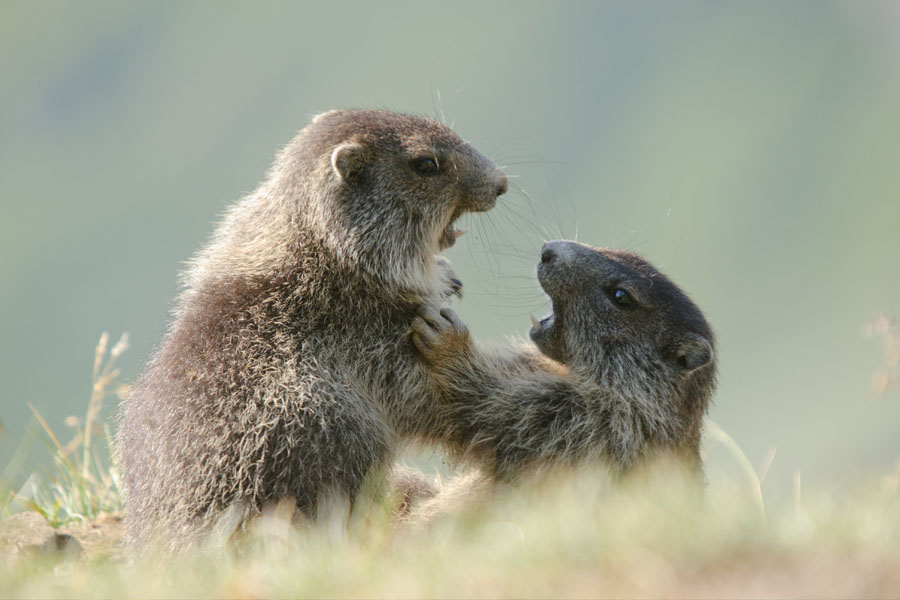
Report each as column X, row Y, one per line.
column 638, row 377
column 287, row 372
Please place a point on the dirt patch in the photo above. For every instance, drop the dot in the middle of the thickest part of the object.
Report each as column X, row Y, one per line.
column 28, row 534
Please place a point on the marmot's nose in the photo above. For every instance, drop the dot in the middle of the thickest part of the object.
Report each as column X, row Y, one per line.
column 548, row 253
column 503, row 185
column 558, row 251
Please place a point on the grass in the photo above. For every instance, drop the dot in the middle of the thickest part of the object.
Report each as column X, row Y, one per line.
column 82, row 484
column 570, row 534
column 567, row 533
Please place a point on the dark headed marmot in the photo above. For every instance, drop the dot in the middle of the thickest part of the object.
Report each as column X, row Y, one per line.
column 626, row 372
column 287, row 372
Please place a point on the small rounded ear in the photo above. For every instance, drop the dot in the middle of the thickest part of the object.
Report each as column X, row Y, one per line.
column 347, row 160
column 316, row 118
column 692, row 352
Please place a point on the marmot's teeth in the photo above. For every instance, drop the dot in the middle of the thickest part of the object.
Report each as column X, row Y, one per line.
column 458, row 233
column 535, row 323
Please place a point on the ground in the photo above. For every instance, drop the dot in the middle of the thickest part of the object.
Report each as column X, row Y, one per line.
column 567, row 535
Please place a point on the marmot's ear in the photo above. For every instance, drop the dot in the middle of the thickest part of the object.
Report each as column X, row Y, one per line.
column 316, row 118
column 692, row 352
column 347, row 160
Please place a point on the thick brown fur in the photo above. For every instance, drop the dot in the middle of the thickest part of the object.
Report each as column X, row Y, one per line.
column 626, row 372
column 287, row 372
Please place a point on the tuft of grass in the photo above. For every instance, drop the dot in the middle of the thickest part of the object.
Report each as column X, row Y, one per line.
column 83, row 483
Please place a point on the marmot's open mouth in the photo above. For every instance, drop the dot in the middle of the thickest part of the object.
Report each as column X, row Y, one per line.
column 449, row 236
column 539, row 327
column 543, row 326
column 451, row 233
column 546, row 335
column 549, row 338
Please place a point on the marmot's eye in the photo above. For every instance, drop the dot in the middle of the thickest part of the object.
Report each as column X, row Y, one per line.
column 622, row 299
column 426, row 165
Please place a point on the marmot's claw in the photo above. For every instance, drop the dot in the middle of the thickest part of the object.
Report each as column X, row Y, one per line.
column 457, row 323
column 453, row 285
column 427, row 314
column 438, row 335
column 456, row 287
column 424, row 337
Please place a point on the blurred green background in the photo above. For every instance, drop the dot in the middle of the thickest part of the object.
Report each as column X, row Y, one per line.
column 749, row 149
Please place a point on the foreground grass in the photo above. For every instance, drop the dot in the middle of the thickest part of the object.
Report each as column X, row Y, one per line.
column 563, row 534
column 571, row 535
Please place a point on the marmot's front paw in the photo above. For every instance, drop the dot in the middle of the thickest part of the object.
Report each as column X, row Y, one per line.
column 452, row 284
column 440, row 337
column 455, row 288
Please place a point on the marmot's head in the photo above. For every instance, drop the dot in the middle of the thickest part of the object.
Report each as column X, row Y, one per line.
column 617, row 318
column 385, row 189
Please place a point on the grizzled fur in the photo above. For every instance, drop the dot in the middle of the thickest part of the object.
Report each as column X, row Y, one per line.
column 639, row 370
column 287, row 372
